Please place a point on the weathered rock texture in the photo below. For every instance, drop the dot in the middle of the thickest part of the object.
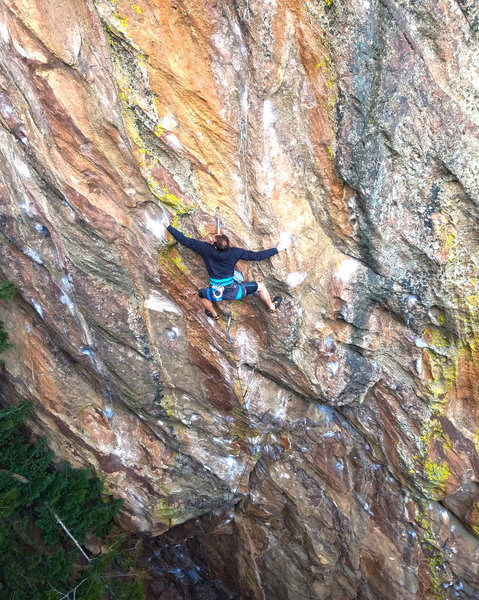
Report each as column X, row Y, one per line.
column 352, row 126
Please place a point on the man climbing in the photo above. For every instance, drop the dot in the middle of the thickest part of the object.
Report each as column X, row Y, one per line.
column 220, row 261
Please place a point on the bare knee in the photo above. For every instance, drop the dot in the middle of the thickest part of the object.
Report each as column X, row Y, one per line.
column 261, row 287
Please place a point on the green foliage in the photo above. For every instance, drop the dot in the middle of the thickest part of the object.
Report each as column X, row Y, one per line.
column 7, row 291
column 38, row 559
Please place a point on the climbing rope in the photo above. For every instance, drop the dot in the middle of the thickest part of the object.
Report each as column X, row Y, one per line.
column 443, row 556
column 243, row 146
column 229, row 318
column 243, row 133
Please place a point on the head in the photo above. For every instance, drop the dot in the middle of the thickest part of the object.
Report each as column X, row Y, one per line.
column 221, row 242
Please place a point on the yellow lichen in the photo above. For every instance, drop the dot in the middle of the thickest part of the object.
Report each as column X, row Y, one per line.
column 476, row 526
column 166, row 513
column 429, row 544
column 437, row 474
column 133, row 106
column 330, row 77
column 169, row 257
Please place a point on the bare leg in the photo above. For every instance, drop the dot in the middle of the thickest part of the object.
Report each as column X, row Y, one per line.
column 264, row 295
column 209, row 305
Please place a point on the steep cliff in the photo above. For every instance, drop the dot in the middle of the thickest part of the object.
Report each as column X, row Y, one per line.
column 351, row 127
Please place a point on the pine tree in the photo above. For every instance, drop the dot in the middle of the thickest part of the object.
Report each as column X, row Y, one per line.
column 38, row 560
column 46, row 515
column 7, row 291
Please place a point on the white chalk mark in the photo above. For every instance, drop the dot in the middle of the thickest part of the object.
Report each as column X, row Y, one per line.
column 161, row 304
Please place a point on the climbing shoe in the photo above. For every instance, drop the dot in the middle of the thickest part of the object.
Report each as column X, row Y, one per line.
column 208, row 313
column 277, row 303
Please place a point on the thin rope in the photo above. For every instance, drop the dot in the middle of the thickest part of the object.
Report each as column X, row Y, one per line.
column 229, row 317
column 443, row 556
column 243, row 147
column 243, row 136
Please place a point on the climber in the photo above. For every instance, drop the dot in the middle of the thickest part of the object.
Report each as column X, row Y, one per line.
column 220, row 260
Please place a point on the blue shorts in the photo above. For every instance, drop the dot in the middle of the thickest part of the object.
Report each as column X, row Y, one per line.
column 235, row 291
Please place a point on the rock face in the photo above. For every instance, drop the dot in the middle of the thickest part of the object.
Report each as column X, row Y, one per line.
column 343, row 463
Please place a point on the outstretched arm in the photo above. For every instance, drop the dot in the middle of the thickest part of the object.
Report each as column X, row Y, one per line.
column 261, row 255
column 200, row 247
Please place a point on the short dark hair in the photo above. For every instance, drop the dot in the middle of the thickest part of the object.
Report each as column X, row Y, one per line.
column 221, row 242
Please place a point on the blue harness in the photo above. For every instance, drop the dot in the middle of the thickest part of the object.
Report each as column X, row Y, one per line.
column 224, row 289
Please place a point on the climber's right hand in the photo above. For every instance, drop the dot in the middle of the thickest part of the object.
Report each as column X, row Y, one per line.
column 284, row 241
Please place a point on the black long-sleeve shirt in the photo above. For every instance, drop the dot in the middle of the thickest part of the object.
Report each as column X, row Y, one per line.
column 220, row 264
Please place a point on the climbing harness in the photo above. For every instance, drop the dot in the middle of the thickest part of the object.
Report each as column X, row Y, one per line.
column 218, row 292
column 224, row 289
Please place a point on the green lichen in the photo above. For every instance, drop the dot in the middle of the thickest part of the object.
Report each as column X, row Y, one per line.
column 434, row 555
column 406, row 459
column 476, row 441
column 167, row 405
column 166, row 513
column 173, row 202
column 178, row 262
column 438, row 577
column 436, row 338
column 422, row 519
column 433, row 442
column 437, row 474
column 445, row 353
column 476, row 526
column 140, row 106
column 240, row 426
column 330, row 75
column 170, row 260
column 432, row 431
